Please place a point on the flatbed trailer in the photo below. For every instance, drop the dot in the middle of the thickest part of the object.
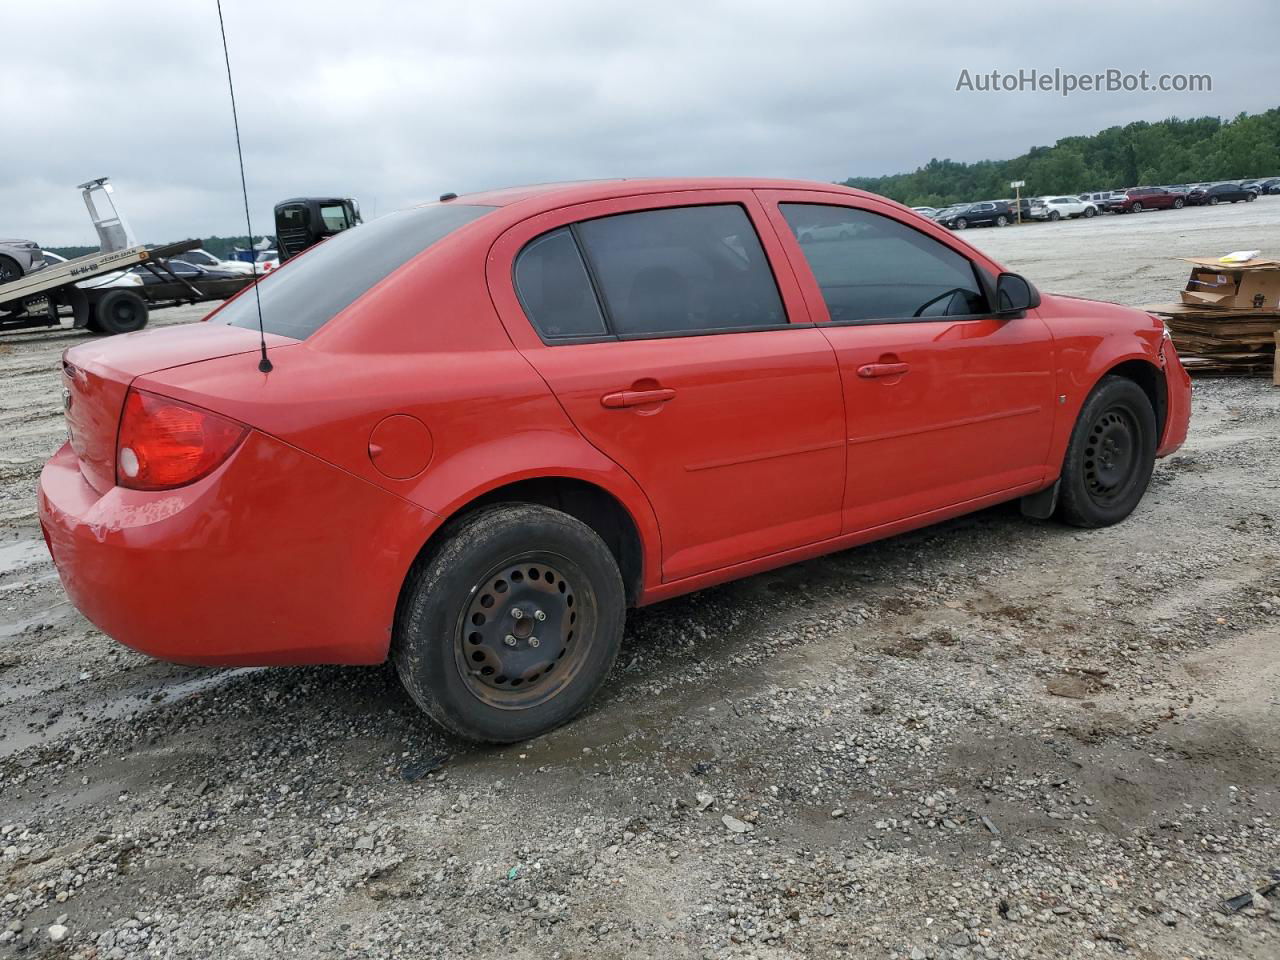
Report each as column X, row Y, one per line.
column 37, row 299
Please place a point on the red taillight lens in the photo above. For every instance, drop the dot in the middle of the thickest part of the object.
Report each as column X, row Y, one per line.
column 165, row 444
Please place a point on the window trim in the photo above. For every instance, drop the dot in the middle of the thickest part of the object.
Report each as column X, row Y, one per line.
column 984, row 280
column 611, row 335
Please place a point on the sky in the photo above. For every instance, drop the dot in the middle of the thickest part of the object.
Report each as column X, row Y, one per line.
column 396, row 102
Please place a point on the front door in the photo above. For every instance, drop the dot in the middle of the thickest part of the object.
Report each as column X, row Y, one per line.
column 667, row 338
column 944, row 402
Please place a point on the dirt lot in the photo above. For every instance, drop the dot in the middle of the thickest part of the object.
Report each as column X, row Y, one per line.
column 993, row 738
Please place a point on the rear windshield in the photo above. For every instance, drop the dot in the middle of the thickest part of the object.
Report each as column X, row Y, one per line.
column 305, row 294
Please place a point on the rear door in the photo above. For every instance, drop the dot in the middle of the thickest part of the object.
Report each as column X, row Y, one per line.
column 945, row 403
column 659, row 323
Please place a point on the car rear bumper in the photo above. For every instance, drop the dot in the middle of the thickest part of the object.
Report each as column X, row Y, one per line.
column 275, row 558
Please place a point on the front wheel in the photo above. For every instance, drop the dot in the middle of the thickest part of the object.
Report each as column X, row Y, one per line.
column 961, row 223
column 509, row 626
column 1137, row 208
column 1213, row 201
column 9, row 270
column 1110, row 457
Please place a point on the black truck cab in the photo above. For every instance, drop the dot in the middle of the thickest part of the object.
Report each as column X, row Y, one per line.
column 304, row 221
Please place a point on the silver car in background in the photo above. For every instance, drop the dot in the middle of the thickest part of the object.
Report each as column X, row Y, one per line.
column 18, row 258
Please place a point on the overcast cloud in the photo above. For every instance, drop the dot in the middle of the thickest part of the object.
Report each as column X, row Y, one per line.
column 396, row 102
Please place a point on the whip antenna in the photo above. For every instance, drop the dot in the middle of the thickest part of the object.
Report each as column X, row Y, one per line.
column 264, row 364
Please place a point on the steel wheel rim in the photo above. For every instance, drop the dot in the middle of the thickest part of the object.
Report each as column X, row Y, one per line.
column 517, row 662
column 1111, row 455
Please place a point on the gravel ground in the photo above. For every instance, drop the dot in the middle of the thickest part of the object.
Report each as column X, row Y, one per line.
column 991, row 738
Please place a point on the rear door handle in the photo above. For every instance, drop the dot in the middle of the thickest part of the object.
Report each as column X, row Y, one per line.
column 870, row 370
column 637, row 398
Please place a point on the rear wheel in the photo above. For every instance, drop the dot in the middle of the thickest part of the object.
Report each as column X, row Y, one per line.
column 120, row 311
column 1002, row 221
column 1250, row 197
column 1089, row 212
column 1177, row 204
column 509, row 626
column 1054, row 215
column 1110, row 457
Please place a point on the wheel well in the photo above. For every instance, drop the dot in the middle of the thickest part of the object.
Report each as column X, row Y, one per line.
column 595, row 507
column 1149, row 377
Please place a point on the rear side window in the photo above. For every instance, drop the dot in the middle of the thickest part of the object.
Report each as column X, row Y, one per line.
column 554, row 289
column 873, row 268
column 308, row 292
column 681, row 270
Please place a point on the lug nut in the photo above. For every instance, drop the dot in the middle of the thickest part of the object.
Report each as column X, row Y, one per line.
column 534, row 641
column 539, row 615
column 510, row 641
column 517, row 613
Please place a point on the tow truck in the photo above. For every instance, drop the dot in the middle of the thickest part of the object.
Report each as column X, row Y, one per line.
column 37, row 299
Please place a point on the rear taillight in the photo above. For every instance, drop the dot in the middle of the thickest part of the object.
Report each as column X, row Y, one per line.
column 165, row 444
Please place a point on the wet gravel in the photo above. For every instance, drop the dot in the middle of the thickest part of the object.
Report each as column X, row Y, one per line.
column 992, row 738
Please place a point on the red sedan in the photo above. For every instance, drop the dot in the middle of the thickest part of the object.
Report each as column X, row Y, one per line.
column 491, row 424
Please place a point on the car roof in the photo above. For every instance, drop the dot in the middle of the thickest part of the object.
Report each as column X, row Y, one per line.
column 584, row 191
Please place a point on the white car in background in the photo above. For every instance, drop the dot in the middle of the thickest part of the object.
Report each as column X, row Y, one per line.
column 203, row 258
column 266, row 261
column 1055, row 208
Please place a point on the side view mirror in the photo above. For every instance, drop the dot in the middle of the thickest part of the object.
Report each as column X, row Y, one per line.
column 1014, row 295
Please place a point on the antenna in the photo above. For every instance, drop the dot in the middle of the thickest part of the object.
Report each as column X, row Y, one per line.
column 264, row 364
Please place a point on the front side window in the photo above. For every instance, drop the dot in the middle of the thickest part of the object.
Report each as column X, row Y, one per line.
column 308, row 292
column 873, row 268
column 334, row 217
column 681, row 270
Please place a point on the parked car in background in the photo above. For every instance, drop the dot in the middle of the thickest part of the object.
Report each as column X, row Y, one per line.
column 988, row 213
column 207, row 284
column 18, row 258
column 1269, row 185
column 265, row 261
column 203, row 258
column 929, row 212
column 1055, row 208
column 480, row 494
column 1220, row 193
column 1138, row 199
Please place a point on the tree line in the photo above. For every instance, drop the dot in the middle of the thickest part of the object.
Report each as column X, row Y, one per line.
column 221, row 247
column 1139, row 154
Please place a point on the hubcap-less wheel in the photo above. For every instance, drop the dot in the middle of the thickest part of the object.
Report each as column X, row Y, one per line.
column 1213, row 201
column 1137, row 208
column 526, row 631
column 1110, row 461
column 961, row 223
column 1177, row 204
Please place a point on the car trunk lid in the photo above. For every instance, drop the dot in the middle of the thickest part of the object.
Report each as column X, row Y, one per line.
column 96, row 377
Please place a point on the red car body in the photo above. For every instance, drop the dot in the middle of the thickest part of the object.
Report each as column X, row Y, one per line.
column 1138, row 199
column 707, row 457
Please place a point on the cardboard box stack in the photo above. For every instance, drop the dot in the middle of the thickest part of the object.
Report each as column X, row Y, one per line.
column 1228, row 320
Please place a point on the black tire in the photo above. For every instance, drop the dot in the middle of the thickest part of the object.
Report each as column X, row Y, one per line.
column 120, row 311
column 502, row 558
column 1177, row 204
column 1002, row 221
column 1250, row 197
column 1054, row 216
column 1089, row 212
column 1110, row 456
column 1213, row 201
column 9, row 270
column 1136, row 208
column 961, row 223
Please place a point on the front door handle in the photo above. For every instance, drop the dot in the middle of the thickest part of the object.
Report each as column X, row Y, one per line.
column 637, row 398
column 870, row 370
